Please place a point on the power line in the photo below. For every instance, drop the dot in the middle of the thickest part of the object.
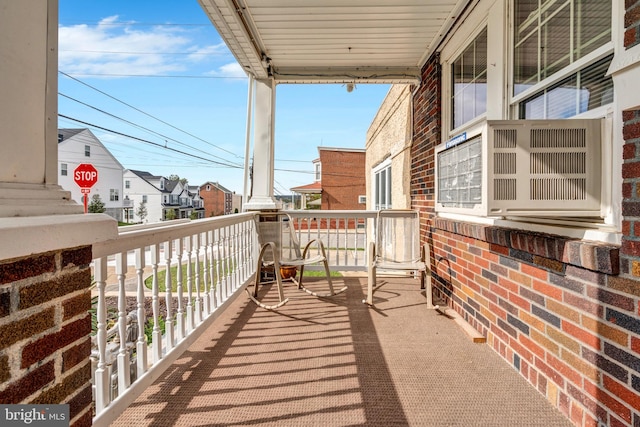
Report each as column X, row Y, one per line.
column 142, row 53
column 139, row 126
column 149, row 142
column 149, row 115
column 142, row 24
column 155, row 76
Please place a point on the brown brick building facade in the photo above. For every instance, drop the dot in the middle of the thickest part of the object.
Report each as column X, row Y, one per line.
column 216, row 199
column 343, row 179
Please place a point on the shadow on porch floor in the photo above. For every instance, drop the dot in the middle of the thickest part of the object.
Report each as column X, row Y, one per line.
column 336, row 362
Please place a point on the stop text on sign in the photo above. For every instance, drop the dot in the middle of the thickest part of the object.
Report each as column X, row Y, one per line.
column 86, row 176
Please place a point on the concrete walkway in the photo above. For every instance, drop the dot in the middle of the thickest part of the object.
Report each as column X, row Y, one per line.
column 337, row 362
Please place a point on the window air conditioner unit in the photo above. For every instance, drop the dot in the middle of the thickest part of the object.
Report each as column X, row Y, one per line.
column 547, row 168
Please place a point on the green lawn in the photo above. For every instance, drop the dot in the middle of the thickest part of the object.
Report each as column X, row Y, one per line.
column 174, row 277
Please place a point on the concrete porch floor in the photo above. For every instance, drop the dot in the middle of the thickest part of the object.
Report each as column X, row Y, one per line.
column 337, row 362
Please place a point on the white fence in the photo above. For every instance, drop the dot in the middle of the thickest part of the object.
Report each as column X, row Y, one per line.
column 211, row 261
column 201, row 267
column 344, row 234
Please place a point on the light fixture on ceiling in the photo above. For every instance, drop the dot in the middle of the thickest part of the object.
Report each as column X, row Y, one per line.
column 350, row 87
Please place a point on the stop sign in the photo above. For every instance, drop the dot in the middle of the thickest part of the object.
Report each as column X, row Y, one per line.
column 85, row 175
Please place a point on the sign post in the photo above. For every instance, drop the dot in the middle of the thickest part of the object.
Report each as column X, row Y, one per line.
column 85, row 175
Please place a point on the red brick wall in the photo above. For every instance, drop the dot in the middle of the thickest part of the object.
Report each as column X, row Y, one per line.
column 554, row 308
column 426, row 135
column 565, row 313
column 632, row 23
column 213, row 201
column 45, row 331
column 343, row 179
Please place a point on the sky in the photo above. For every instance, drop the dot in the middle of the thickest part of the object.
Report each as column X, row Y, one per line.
column 156, row 84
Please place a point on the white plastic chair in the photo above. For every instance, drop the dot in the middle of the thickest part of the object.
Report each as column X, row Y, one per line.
column 286, row 252
column 396, row 250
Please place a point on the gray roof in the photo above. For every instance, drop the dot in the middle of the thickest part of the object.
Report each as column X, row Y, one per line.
column 68, row 133
column 218, row 186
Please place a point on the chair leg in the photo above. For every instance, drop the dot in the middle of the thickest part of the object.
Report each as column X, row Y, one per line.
column 371, row 282
column 276, row 268
column 429, row 290
column 331, row 293
column 328, row 273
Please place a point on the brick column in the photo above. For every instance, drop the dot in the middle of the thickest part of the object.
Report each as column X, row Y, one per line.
column 630, row 251
column 45, row 331
column 427, row 123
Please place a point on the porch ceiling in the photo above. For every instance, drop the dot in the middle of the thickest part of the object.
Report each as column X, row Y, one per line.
column 333, row 41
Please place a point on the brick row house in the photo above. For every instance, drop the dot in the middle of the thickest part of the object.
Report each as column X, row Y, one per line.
column 338, row 179
column 339, row 184
column 216, row 199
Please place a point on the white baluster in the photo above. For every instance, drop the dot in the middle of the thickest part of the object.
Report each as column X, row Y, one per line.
column 124, row 362
column 219, row 287
column 102, row 373
column 226, row 264
column 198, row 307
column 212, row 277
column 156, row 334
column 169, row 323
column 190, row 320
column 243, row 251
column 179, row 246
column 141, row 344
column 204, row 238
column 234, row 257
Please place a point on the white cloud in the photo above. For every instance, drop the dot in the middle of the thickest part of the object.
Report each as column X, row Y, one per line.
column 83, row 49
column 199, row 53
column 232, row 70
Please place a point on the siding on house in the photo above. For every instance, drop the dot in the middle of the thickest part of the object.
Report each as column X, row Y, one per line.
column 71, row 153
column 389, row 139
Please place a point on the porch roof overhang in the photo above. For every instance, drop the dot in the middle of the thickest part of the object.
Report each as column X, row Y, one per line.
column 333, row 41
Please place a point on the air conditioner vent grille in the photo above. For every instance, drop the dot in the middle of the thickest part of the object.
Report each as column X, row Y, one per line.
column 504, row 189
column 504, row 163
column 559, row 189
column 505, row 138
column 563, row 163
column 558, row 138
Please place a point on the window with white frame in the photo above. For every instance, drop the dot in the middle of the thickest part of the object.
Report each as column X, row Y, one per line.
column 582, row 91
column 63, row 169
column 469, row 82
column 144, row 198
column 318, row 171
column 127, row 184
column 87, row 151
column 114, row 195
column 553, row 34
column 560, row 53
column 381, row 190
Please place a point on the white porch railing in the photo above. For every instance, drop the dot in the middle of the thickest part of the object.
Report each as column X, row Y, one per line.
column 344, row 234
column 212, row 260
